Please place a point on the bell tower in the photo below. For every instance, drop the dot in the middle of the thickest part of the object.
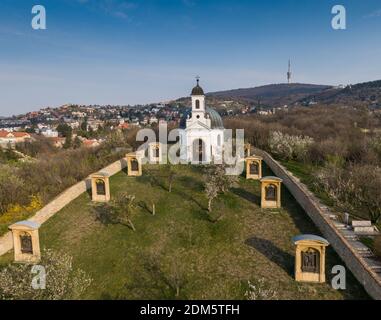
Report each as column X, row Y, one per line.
column 199, row 114
column 198, row 99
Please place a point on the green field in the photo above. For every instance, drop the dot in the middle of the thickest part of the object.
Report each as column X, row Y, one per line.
column 178, row 253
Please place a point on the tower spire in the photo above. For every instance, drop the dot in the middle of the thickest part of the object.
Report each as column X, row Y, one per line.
column 289, row 72
column 198, row 80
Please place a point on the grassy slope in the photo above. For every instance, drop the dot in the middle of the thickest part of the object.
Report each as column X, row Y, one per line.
column 212, row 260
column 304, row 173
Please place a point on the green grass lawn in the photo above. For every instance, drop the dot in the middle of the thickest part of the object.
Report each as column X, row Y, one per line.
column 305, row 173
column 180, row 245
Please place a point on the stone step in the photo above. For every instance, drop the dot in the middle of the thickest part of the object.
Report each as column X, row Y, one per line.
column 360, row 250
column 363, row 230
column 373, row 264
column 340, row 226
column 359, row 223
column 351, row 237
column 376, row 268
column 348, row 233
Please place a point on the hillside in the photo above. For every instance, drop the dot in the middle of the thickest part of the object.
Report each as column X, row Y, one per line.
column 273, row 94
column 367, row 93
column 181, row 252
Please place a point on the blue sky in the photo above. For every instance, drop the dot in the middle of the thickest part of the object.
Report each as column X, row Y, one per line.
column 140, row 51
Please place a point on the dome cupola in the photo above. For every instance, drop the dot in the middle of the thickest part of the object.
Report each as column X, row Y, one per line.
column 197, row 90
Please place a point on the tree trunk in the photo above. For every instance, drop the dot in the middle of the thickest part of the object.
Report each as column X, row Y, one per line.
column 210, row 205
column 131, row 225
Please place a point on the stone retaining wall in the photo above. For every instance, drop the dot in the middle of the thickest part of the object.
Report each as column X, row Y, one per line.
column 6, row 242
column 319, row 215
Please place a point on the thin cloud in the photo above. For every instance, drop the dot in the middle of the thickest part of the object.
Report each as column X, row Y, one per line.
column 189, row 3
column 374, row 14
column 12, row 32
column 116, row 8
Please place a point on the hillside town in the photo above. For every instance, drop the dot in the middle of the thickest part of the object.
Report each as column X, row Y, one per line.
column 86, row 120
column 80, row 118
column 51, row 122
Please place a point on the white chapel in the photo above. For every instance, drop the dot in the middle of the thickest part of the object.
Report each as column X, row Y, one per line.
column 201, row 131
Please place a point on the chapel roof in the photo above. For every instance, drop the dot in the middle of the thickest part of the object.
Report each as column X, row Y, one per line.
column 215, row 118
column 197, row 90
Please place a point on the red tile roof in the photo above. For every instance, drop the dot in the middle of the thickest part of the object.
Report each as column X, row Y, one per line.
column 6, row 134
column 3, row 133
column 20, row 134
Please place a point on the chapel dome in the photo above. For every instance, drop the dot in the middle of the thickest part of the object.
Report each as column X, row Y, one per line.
column 197, row 91
column 215, row 118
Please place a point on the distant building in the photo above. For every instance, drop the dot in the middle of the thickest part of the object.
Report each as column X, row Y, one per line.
column 49, row 133
column 264, row 112
column 94, row 124
column 72, row 123
column 11, row 138
column 78, row 114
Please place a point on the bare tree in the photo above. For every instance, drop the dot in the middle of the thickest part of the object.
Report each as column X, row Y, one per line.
column 123, row 207
column 176, row 275
column 171, row 178
column 217, row 182
column 211, row 191
column 170, row 174
column 354, row 189
column 119, row 210
column 170, row 271
column 218, row 173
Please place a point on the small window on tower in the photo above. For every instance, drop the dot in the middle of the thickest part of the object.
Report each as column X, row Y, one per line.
column 197, row 104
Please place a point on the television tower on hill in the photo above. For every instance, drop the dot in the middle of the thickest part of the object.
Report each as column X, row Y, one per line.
column 289, row 72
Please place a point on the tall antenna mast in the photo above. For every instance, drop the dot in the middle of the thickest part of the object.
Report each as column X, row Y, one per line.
column 289, row 72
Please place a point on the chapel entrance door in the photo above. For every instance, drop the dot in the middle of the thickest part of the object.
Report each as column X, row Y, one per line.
column 198, row 151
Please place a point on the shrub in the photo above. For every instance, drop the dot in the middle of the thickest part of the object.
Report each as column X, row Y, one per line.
column 38, row 147
column 52, row 174
column 289, row 147
column 11, row 189
column 375, row 144
column 355, row 188
column 259, row 290
column 62, row 280
column 320, row 152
